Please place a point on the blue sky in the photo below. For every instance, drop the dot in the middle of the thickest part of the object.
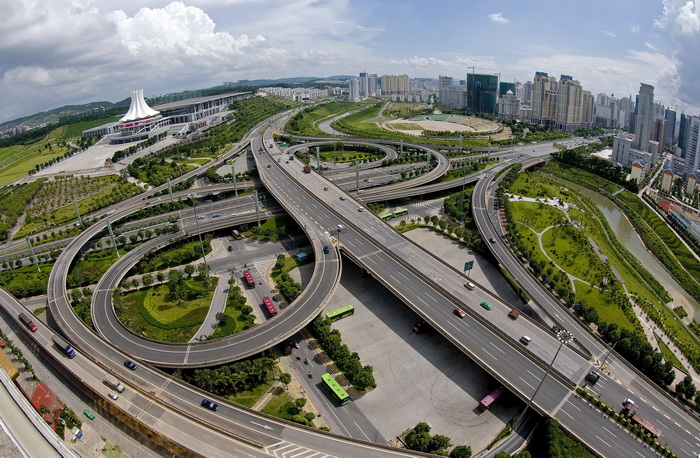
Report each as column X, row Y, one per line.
column 77, row 51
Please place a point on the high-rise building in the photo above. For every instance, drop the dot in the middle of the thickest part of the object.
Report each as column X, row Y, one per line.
column 588, row 110
column 444, row 81
column 454, row 97
column 508, row 106
column 528, row 87
column 622, row 144
column 482, row 93
column 644, row 117
column 504, row 87
column 354, row 90
column 569, row 104
column 364, row 85
column 372, row 85
column 683, row 132
column 625, row 113
column 544, row 99
column 658, row 133
column 670, row 116
column 395, row 85
column 692, row 145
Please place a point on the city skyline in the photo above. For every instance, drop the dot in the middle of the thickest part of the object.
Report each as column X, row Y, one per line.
column 79, row 51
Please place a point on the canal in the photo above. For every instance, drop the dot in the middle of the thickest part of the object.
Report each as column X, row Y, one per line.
column 628, row 238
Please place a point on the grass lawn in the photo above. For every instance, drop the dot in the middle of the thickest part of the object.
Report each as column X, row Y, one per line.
column 575, row 257
column 276, row 222
column 151, row 312
column 248, row 398
column 606, row 308
column 538, row 216
column 405, row 126
column 668, row 355
column 342, row 156
column 274, row 407
column 290, row 262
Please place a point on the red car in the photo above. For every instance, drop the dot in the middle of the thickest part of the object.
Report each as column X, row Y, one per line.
column 459, row 312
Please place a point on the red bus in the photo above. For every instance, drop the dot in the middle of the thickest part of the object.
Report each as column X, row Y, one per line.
column 248, row 279
column 491, row 398
column 271, row 310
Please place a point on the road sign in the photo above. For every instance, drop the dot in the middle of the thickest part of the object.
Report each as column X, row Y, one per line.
column 468, row 265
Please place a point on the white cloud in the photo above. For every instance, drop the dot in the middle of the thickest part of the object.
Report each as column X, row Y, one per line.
column 498, row 17
column 681, row 19
column 634, row 29
column 70, row 51
column 619, row 76
column 420, row 62
column 610, row 34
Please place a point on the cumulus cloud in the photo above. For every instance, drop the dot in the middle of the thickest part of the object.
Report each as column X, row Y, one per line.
column 619, row 76
column 681, row 19
column 420, row 62
column 68, row 51
column 498, row 17
column 634, row 29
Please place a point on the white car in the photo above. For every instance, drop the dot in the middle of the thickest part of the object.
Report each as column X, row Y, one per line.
column 470, row 286
column 113, row 395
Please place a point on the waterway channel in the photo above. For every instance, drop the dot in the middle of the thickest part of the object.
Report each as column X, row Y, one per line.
column 630, row 240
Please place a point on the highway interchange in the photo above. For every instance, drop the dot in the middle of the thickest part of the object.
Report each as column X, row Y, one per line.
column 424, row 283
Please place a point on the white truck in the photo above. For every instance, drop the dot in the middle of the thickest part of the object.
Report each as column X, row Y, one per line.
column 113, row 382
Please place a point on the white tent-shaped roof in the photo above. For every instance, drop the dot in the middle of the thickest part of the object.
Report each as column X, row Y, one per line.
column 139, row 109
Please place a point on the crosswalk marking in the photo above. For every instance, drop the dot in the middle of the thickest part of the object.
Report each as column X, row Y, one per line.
column 287, row 449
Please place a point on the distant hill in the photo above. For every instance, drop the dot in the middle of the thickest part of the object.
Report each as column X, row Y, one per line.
column 66, row 111
column 62, row 113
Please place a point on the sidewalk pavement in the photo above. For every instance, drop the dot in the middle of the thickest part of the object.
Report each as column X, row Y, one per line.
column 294, row 389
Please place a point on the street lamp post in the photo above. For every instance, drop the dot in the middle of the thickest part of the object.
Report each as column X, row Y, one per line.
column 605, row 358
column 564, row 337
column 201, row 244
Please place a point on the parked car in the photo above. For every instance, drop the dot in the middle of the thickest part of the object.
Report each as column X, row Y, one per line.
column 130, row 364
column 210, row 405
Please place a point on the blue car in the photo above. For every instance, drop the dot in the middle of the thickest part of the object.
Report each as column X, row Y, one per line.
column 130, row 364
column 210, row 405
column 216, row 215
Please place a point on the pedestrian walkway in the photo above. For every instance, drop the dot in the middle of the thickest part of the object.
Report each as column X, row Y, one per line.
column 294, row 390
column 652, row 331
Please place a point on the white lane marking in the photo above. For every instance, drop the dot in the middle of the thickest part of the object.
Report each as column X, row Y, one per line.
column 486, row 351
column 526, row 383
column 604, row 441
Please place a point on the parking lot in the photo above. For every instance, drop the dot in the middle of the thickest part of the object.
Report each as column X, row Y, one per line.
column 419, row 377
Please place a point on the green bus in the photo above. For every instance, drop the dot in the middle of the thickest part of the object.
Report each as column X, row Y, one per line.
column 342, row 312
column 394, row 214
column 336, row 390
